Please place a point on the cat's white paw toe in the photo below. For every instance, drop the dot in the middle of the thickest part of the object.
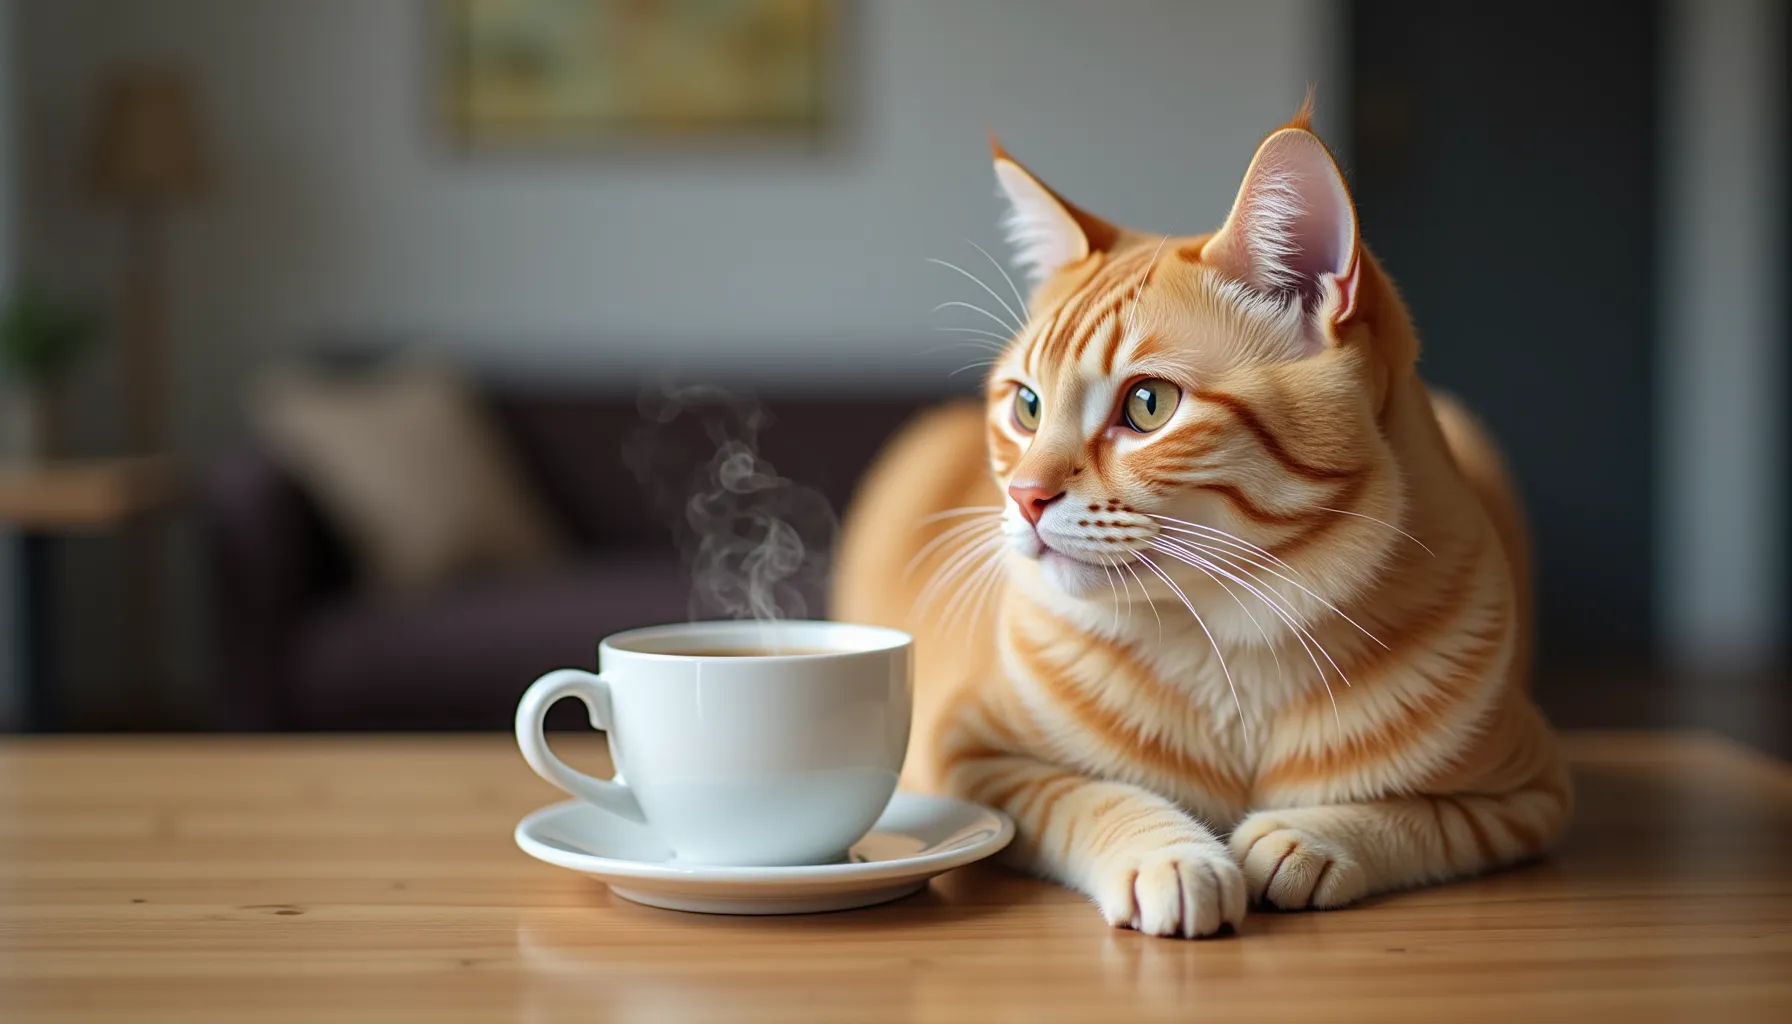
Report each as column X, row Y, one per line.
column 1293, row 869
column 1188, row 890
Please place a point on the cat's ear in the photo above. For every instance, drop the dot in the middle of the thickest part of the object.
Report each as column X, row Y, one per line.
column 1292, row 231
column 1046, row 232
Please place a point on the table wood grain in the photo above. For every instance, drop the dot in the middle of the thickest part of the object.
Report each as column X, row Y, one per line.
column 374, row 879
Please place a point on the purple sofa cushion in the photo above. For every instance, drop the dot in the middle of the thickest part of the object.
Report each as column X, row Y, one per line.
column 462, row 658
column 572, row 444
column 300, row 648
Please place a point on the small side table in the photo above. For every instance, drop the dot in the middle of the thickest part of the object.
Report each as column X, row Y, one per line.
column 46, row 500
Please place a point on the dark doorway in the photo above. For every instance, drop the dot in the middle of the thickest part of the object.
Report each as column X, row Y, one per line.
column 1504, row 163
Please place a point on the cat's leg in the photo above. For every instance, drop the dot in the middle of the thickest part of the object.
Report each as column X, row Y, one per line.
column 1145, row 863
column 1327, row 856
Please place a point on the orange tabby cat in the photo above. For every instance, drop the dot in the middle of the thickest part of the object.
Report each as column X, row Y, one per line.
column 1259, row 600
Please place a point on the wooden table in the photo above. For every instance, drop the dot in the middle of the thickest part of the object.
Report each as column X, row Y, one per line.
column 78, row 494
column 374, row 879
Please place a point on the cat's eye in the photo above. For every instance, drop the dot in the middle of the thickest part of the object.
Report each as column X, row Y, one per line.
column 1026, row 408
column 1150, row 403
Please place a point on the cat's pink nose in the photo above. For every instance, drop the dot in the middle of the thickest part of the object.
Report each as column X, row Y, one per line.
column 1033, row 496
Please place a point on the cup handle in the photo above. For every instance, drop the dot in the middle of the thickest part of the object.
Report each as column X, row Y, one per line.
column 591, row 689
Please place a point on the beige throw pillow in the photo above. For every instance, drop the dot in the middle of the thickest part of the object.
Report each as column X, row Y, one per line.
column 407, row 464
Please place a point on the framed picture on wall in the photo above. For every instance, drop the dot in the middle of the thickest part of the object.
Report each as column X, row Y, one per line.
column 553, row 74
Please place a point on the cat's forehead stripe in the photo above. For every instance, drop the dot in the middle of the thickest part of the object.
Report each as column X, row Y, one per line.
column 1071, row 325
column 1074, row 307
column 1113, row 286
column 1112, row 352
column 1115, row 328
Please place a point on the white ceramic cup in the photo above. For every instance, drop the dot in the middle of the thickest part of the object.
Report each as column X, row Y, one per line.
column 757, row 760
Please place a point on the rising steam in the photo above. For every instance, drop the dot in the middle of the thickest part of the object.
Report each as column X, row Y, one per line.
column 757, row 544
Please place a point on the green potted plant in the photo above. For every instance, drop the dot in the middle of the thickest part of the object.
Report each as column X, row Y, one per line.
column 41, row 336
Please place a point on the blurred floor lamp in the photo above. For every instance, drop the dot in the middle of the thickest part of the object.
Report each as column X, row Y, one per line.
column 147, row 156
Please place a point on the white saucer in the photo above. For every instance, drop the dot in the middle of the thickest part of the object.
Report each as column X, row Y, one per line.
column 917, row 837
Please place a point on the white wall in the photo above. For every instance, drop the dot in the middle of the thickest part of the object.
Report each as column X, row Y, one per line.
column 338, row 209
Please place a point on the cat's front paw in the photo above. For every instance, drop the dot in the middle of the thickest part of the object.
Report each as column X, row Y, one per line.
column 1185, row 889
column 1291, row 868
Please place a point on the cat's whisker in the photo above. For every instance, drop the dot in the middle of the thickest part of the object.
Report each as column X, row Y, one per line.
column 962, row 601
column 982, row 346
column 1308, row 643
column 1186, row 603
column 1330, row 695
column 961, row 562
column 1132, row 305
column 1116, row 564
column 953, row 531
column 956, row 304
column 965, row 537
column 954, row 543
column 989, row 578
column 1278, row 604
column 1152, row 604
column 1019, row 321
column 978, row 348
column 1241, row 563
column 1108, row 571
column 1019, row 301
column 1221, row 535
column 972, row 366
column 1209, row 543
column 1301, row 633
column 1001, row 340
column 1381, row 522
column 990, row 589
column 1309, row 592
column 1264, row 633
column 1196, row 536
column 962, row 510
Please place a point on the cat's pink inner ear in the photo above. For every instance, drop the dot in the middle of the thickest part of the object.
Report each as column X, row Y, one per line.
column 1047, row 232
column 1292, row 228
column 1041, row 230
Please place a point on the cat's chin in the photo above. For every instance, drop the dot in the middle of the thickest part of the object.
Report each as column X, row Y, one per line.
column 1073, row 576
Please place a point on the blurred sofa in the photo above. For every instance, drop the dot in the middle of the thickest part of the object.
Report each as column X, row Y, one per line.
column 299, row 645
